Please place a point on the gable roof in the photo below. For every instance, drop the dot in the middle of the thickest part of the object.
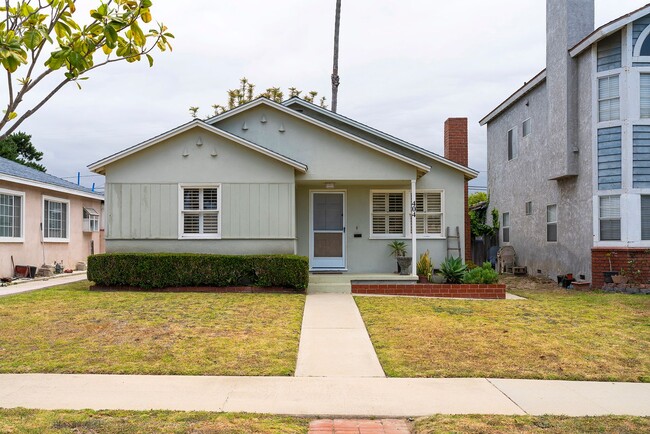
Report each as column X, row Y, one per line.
column 98, row 166
column 523, row 90
column 421, row 151
column 20, row 174
column 264, row 101
column 609, row 28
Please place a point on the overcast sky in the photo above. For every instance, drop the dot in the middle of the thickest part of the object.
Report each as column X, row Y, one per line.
column 405, row 67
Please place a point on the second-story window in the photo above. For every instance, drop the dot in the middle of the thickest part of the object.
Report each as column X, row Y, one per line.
column 512, row 144
column 645, row 95
column 609, row 101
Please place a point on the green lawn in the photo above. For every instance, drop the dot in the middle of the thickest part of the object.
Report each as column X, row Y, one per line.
column 25, row 421
column 69, row 329
column 554, row 334
column 531, row 424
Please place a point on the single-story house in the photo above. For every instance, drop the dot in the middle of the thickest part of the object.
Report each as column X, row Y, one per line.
column 45, row 219
column 290, row 178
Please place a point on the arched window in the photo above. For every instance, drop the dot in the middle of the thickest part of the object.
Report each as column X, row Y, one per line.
column 641, row 51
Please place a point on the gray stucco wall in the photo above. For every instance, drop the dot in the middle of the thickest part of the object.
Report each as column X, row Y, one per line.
column 526, row 178
column 142, row 194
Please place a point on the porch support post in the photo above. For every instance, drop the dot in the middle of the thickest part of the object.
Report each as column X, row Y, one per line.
column 414, row 248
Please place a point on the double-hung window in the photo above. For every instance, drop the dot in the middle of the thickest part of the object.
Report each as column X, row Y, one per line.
column 428, row 213
column 609, row 101
column 11, row 215
column 200, row 211
column 56, row 219
column 388, row 214
column 526, row 128
column 505, row 227
column 551, row 223
column 610, row 218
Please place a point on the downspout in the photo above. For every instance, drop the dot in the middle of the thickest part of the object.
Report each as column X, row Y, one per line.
column 414, row 248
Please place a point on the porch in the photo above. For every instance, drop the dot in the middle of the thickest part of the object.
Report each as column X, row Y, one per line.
column 341, row 283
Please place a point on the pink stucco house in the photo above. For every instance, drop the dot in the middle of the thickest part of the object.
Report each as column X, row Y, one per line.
column 44, row 219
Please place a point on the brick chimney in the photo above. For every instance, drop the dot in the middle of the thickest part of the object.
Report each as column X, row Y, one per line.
column 456, row 151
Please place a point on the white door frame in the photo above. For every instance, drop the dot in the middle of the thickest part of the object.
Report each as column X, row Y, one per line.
column 344, row 259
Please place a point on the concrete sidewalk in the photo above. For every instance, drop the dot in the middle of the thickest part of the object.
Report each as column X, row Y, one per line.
column 34, row 285
column 334, row 341
column 307, row 396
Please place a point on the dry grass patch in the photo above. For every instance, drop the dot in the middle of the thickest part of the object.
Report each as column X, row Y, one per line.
column 532, row 424
column 131, row 422
column 68, row 329
column 554, row 334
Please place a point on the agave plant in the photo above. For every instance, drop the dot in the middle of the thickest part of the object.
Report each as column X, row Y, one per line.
column 453, row 270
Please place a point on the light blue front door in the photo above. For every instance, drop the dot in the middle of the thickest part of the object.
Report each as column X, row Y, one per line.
column 327, row 240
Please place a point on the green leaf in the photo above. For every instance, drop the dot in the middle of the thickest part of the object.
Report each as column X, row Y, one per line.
column 150, row 59
column 32, row 38
column 111, row 35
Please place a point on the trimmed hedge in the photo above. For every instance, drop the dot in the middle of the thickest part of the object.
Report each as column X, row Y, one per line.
column 170, row 270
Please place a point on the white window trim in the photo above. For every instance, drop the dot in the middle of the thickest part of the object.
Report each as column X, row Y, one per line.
column 442, row 234
column 91, row 217
column 407, row 216
column 67, row 220
column 622, row 218
column 619, row 98
column 557, row 218
column 20, row 239
column 181, row 235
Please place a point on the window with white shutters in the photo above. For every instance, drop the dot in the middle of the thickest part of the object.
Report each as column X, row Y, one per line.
column 11, row 216
column 610, row 218
column 388, row 211
column 200, row 213
column 609, row 101
column 428, row 213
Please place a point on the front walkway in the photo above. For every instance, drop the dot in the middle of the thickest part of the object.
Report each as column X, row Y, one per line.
column 334, row 341
column 41, row 283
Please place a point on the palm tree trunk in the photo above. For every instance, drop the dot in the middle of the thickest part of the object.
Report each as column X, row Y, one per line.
column 335, row 70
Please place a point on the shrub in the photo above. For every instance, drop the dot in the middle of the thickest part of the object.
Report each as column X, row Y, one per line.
column 483, row 275
column 453, row 269
column 168, row 270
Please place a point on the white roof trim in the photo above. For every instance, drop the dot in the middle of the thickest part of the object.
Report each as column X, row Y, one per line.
column 370, row 130
column 98, row 166
column 52, row 187
column 514, row 97
column 608, row 29
column 424, row 167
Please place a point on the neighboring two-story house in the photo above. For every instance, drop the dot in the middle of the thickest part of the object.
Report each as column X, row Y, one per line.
column 569, row 152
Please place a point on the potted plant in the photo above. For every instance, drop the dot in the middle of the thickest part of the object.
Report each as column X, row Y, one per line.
column 398, row 249
column 424, row 267
column 608, row 274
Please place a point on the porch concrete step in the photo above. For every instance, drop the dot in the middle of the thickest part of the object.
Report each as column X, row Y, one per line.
column 330, row 288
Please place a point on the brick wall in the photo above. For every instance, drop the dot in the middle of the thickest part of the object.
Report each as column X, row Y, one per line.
column 619, row 259
column 433, row 290
column 456, row 141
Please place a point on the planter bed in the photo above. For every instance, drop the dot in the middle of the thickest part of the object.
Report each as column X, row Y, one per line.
column 433, row 290
column 223, row 289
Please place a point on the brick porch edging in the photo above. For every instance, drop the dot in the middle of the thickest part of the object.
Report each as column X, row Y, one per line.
column 215, row 289
column 433, row 290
